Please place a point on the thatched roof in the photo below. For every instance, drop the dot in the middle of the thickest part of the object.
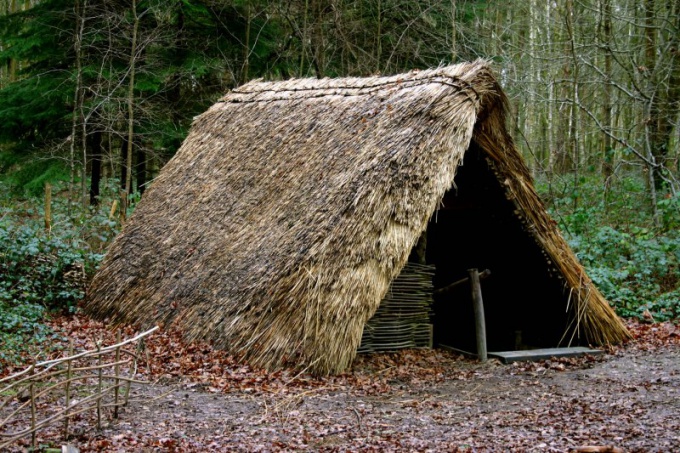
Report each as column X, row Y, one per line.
column 277, row 228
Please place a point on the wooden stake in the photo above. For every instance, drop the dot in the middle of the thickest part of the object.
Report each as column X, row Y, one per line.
column 31, row 386
column 48, row 207
column 123, row 206
column 116, row 391
column 69, row 374
column 114, row 206
column 132, row 371
column 478, row 306
column 99, row 391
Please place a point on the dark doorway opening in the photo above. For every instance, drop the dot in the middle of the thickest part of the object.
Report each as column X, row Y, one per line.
column 525, row 303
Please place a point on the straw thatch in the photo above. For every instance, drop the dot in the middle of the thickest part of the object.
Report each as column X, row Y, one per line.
column 277, row 228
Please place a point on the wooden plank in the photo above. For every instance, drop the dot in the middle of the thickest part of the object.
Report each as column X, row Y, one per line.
column 542, row 354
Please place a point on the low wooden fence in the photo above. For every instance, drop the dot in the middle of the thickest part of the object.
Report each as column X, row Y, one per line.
column 53, row 392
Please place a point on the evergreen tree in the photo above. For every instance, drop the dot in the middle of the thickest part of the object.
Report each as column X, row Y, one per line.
column 36, row 99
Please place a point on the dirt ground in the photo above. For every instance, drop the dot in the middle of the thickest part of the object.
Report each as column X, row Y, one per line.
column 630, row 401
column 627, row 399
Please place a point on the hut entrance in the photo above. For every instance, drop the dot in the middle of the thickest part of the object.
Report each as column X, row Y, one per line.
column 476, row 228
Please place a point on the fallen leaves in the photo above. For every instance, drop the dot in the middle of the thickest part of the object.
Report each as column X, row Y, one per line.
column 598, row 449
column 412, row 400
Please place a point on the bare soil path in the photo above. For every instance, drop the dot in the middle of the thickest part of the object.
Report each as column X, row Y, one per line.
column 205, row 401
column 631, row 401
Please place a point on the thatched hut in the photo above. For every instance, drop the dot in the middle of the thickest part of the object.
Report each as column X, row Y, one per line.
column 276, row 229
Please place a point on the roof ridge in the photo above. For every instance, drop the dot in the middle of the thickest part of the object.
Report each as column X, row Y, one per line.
column 346, row 90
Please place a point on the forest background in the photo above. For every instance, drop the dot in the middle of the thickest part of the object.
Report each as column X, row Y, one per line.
column 96, row 95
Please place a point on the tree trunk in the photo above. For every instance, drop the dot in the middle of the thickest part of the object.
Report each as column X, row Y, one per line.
column 318, row 39
column 131, row 99
column 664, row 86
column 124, row 150
column 12, row 65
column 95, row 145
column 77, row 105
column 378, row 37
column 246, row 46
column 454, row 50
column 130, row 105
column 140, row 168
column 563, row 153
column 303, row 39
column 606, row 38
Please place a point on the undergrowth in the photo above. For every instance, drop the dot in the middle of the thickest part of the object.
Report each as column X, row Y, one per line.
column 43, row 271
column 633, row 259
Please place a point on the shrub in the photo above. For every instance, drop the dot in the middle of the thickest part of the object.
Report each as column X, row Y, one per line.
column 636, row 272
column 633, row 262
column 42, row 272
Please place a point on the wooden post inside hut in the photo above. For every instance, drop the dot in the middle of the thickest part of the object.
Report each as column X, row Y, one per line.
column 476, row 227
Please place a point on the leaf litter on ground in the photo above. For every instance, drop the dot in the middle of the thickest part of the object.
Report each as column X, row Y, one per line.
column 203, row 399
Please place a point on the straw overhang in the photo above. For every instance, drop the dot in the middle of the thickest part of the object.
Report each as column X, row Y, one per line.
column 277, row 228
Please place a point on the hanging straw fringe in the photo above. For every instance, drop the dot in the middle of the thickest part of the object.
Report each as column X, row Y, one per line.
column 278, row 226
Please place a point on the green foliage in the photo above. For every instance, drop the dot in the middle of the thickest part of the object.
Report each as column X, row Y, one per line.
column 583, row 204
column 22, row 331
column 636, row 271
column 7, row 160
column 40, row 268
column 29, row 175
column 669, row 208
column 34, row 107
column 635, row 264
column 42, row 272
